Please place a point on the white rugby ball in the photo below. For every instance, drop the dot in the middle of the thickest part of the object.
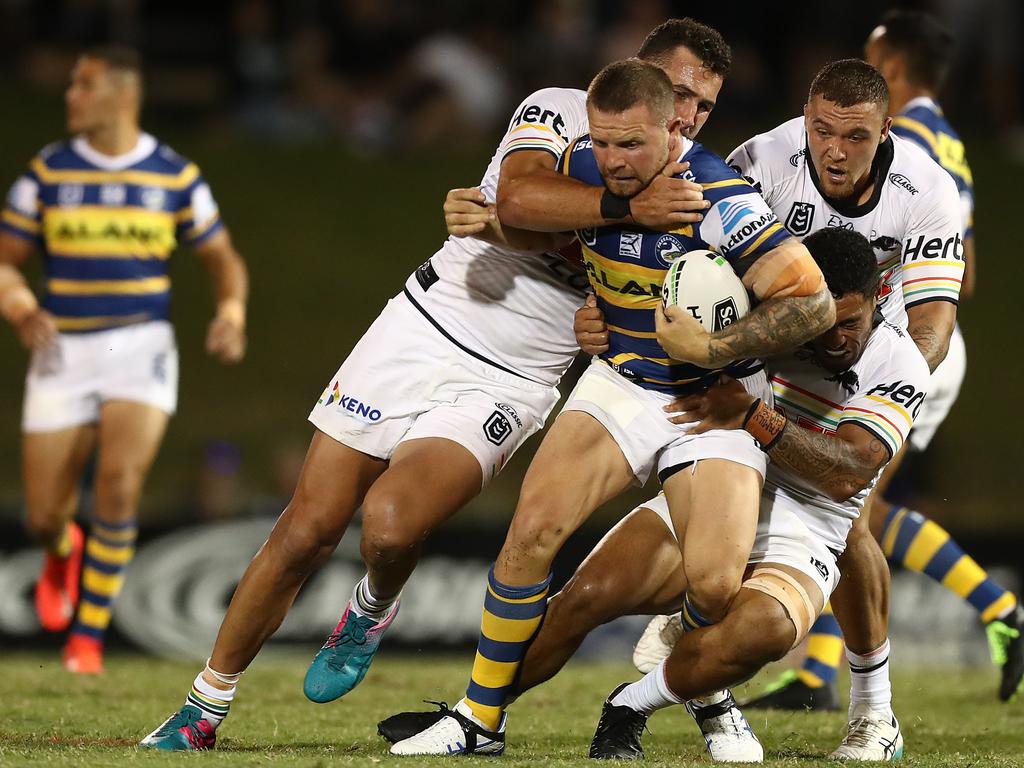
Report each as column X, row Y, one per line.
column 704, row 284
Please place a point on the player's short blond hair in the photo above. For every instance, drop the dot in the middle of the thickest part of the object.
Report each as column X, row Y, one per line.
column 624, row 84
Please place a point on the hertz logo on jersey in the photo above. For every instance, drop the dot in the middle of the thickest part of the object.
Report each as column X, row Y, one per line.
column 901, row 394
column 536, row 115
column 934, row 248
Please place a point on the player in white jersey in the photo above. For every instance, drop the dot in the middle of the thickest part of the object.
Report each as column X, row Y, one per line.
column 912, row 51
column 457, row 371
column 845, row 419
column 840, row 166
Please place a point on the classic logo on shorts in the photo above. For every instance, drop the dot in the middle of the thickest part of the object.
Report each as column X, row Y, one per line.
column 160, row 367
column 801, row 215
column 822, row 568
column 511, row 413
column 359, row 410
column 497, row 428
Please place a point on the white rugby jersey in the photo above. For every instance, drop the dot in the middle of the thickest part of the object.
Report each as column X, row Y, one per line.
column 881, row 393
column 913, row 218
column 514, row 309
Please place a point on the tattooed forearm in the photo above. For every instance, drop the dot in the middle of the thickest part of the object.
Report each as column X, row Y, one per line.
column 930, row 325
column 772, row 327
column 933, row 345
column 834, row 466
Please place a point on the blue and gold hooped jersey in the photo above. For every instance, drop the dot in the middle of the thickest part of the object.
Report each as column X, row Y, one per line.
column 107, row 227
column 923, row 122
column 627, row 264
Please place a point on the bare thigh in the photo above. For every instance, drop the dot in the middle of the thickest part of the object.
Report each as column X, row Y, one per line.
column 714, row 507
column 52, row 466
column 130, row 434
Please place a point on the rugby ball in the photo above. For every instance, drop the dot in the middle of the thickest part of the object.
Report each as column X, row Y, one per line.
column 703, row 284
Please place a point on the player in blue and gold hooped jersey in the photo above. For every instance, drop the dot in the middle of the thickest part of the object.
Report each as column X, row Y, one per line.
column 612, row 431
column 106, row 209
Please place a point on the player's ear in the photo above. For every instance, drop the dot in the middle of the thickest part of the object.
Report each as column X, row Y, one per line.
column 886, row 125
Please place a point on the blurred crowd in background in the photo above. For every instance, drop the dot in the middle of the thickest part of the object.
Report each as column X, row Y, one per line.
column 381, row 78
column 404, row 75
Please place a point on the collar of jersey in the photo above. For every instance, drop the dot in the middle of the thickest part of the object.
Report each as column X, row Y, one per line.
column 145, row 146
column 922, row 101
column 688, row 144
column 879, row 168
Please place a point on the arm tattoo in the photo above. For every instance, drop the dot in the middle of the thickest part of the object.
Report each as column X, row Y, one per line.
column 930, row 342
column 772, row 327
column 832, row 465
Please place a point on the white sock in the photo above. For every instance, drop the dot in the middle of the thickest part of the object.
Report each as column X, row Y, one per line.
column 869, row 681
column 213, row 702
column 368, row 605
column 648, row 694
column 712, row 698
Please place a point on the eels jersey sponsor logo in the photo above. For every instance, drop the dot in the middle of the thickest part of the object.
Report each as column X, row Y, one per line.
column 68, row 230
column 360, row 410
column 738, row 224
column 599, row 276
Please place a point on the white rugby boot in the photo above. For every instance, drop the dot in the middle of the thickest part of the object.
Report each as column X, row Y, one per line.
column 870, row 736
column 727, row 733
column 457, row 733
column 657, row 642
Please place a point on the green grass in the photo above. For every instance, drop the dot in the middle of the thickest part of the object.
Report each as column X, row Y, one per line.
column 47, row 717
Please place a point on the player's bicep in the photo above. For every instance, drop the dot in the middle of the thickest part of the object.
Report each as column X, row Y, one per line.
column 522, row 164
column 15, row 249
column 217, row 247
column 871, row 451
column 786, row 270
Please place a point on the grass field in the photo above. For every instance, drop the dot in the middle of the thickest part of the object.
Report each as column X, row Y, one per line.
column 949, row 717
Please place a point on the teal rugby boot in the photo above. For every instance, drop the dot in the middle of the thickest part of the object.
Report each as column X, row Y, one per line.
column 186, row 730
column 342, row 662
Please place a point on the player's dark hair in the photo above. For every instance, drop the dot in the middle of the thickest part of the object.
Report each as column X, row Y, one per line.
column 846, row 259
column 624, row 84
column 706, row 42
column 925, row 45
column 119, row 57
column 849, row 82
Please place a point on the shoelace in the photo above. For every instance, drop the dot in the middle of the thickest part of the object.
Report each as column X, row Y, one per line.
column 862, row 732
column 636, row 723
column 735, row 721
column 352, row 629
column 999, row 638
column 176, row 723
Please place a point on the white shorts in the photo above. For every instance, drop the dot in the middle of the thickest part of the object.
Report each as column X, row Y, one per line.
column 404, row 380
column 68, row 381
column 943, row 388
column 635, row 419
column 782, row 538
